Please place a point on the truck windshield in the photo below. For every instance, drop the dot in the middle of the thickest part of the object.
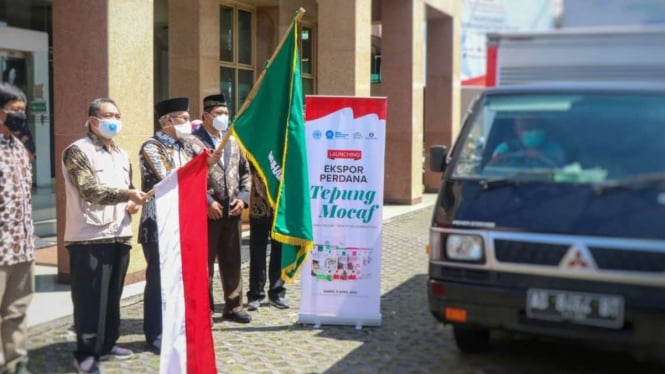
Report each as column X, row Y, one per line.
column 566, row 138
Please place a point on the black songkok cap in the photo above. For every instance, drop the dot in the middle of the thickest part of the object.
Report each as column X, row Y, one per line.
column 176, row 104
column 213, row 100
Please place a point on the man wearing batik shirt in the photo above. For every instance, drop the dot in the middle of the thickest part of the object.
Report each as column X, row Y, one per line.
column 17, row 251
column 159, row 156
column 229, row 184
column 100, row 200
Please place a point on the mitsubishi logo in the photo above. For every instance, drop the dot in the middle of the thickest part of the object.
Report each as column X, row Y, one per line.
column 577, row 258
column 578, row 261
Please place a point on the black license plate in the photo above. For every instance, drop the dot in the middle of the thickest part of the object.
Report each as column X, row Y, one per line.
column 576, row 307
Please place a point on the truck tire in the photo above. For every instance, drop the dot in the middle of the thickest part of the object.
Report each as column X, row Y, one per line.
column 471, row 340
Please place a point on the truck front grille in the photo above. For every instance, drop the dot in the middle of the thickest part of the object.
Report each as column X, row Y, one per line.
column 628, row 260
column 529, row 252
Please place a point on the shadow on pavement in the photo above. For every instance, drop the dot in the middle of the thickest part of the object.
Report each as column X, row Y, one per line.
column 410, row 340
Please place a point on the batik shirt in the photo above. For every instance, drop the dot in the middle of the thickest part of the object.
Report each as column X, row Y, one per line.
column 229, row 178
column 158, row 157
column 83, row 177
column 16, row 227
column 259, row 207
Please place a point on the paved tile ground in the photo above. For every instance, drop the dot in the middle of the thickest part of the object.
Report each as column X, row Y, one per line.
column 409, row 340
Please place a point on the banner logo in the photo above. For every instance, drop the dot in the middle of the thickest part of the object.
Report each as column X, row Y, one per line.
column 341, row 153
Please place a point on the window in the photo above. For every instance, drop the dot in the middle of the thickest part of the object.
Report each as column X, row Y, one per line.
column 375, row 69
column 236, row 55
column 307, row 62
column 577, row 137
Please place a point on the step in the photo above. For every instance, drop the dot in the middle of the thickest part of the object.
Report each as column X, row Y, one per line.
column 45, row 228
column 45, row 242
column 41, row 214
column 43, row 200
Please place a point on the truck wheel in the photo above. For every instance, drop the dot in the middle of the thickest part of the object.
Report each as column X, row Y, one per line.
column 472, row 340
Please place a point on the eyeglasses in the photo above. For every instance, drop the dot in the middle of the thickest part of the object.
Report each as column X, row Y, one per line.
column 109, row 115
column 180, row 118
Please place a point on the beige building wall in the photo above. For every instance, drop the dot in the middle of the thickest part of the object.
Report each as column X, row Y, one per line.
column 344, row 51
column 91, row 62
column 452, row 11
column 97, row 54
column 194, row 50
column 403, row 84
column 442, row 96
column 420, row 77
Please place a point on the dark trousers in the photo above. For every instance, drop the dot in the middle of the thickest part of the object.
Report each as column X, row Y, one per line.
column 224, row 236
column 152, row 294
column 259, row 233
column 97, row 278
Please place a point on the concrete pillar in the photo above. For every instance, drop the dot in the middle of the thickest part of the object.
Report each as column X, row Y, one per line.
column 402, row 82
column 439, row 96
column 102, row 49
column 344, row 47
column 194, row 50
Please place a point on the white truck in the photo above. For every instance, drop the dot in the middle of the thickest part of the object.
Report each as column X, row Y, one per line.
column 630, row 54
column 549, row 217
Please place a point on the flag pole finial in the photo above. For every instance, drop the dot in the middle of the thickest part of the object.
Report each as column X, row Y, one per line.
column 299, row 13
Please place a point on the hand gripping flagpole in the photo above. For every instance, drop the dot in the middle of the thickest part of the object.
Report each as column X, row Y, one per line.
column 252, row 93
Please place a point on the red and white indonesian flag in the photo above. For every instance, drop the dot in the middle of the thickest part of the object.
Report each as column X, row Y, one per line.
column 181, row 206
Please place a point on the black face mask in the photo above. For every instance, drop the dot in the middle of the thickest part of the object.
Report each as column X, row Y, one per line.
column 15, row 121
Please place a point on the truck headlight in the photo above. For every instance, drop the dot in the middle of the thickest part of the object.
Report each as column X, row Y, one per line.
column 464, row 248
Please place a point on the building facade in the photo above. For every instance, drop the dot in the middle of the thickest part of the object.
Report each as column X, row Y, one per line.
column 140, row 52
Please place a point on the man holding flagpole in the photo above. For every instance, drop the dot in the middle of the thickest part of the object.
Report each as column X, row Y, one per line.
column 160, row 155
column 229, row 185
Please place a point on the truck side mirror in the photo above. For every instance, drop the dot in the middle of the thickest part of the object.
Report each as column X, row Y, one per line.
column 437, row 158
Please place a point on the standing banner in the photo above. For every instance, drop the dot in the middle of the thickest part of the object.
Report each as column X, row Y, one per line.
column 341, row 279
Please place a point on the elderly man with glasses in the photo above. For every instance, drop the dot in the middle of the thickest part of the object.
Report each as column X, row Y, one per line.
column 159, row 156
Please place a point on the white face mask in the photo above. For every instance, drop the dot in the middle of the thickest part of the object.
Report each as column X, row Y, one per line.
column 221, row 122
column 183, row 130
column 108, row 128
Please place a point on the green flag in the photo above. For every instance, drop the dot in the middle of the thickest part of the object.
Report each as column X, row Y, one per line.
column 270, row 129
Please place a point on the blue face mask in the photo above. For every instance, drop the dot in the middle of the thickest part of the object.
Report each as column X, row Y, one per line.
column 533, row 138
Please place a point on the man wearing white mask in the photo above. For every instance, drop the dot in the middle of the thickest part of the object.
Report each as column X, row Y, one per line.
column 229, row 184
column 100, row 201
column 159, row 156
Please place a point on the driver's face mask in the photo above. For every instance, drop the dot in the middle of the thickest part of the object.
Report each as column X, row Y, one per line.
column 533, row 138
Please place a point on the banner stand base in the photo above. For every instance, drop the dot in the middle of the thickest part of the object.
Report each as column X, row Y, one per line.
column 357, row 322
